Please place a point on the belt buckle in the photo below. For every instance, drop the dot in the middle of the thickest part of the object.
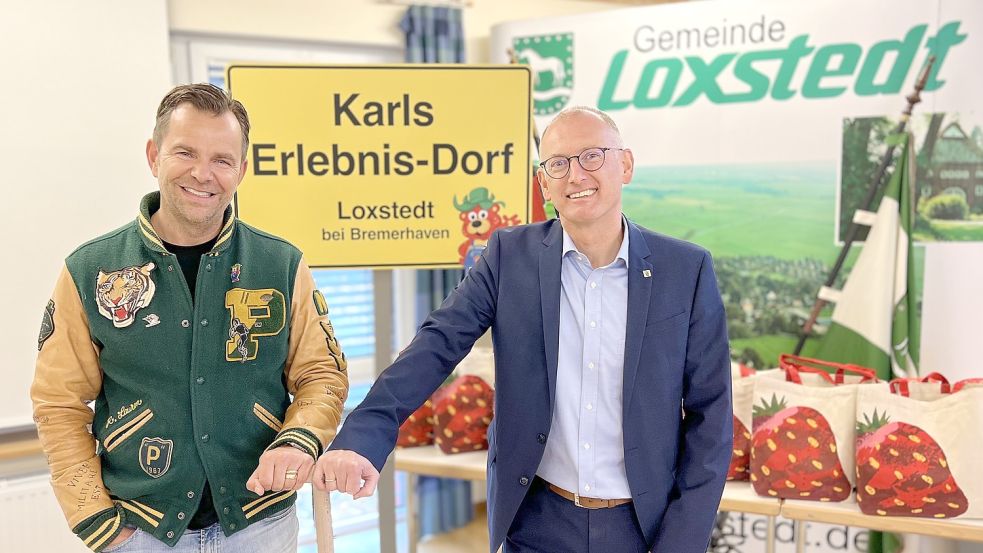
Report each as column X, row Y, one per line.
column 576, row 500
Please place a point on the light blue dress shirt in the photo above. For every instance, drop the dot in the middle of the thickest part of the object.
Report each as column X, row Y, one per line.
column 585, row 451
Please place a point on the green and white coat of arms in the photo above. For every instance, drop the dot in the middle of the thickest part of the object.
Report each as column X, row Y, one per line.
column 551, row 59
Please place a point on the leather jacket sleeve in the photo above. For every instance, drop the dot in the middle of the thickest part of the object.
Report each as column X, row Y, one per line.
column 67, row 377
column 315, row 371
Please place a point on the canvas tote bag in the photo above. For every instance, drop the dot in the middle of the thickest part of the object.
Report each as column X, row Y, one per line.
column 742, row 385
column 919, row 446
column 802, row 444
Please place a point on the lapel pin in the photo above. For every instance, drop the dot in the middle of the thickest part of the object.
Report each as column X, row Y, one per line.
column 647, row 273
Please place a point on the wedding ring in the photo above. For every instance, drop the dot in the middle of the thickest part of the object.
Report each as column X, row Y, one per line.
column 290, row 475
column 330, row 480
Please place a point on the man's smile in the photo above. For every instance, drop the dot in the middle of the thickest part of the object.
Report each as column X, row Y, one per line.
column 582, row 194
column 197, row 193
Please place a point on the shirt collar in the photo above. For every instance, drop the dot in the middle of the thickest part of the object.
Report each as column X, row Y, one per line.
column 151, row 203
column 569, row 246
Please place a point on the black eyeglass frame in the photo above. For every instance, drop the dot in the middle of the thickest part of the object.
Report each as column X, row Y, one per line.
column 604, row 157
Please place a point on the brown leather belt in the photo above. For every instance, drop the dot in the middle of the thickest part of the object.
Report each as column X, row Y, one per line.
column 588, row 502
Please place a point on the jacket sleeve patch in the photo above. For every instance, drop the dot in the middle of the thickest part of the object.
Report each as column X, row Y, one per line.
column 320, row 304
column 334, row 348
column 47, row 324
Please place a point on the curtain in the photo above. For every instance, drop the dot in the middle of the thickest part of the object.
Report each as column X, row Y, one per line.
column 435, row 35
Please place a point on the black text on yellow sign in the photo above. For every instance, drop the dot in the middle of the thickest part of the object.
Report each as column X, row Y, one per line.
column 444, row 159
column 385, row 166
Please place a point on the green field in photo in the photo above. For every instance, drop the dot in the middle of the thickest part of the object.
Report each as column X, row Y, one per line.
column 770, row 230
column 771, row 346
column 760, row 222
column 780, row 210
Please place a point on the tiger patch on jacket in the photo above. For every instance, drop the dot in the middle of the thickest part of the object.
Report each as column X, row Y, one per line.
column 121, row 293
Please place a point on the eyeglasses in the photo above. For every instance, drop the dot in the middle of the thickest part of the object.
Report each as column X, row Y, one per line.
column 590, row 159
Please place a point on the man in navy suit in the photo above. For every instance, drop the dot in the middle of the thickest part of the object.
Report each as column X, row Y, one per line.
column 613, row 421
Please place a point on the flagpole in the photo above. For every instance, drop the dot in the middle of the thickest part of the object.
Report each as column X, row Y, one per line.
column 913, row 98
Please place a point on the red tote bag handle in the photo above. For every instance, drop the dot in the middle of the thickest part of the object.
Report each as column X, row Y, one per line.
column 969, row 382
column 899, row 386
column 794, row 364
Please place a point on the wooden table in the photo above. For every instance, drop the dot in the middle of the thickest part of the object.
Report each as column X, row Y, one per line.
column 848, row 513
column 739, row 496
column 430, row 461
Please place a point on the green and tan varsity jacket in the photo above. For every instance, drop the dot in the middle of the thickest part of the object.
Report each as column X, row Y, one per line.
column 182, row 393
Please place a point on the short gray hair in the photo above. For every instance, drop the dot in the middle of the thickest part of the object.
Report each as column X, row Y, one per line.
column 566, row 112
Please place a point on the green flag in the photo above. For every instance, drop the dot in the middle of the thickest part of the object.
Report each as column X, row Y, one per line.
column 874, row 319
column 874, row 323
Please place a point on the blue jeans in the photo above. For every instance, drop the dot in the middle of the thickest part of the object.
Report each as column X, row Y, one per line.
column 274, row 534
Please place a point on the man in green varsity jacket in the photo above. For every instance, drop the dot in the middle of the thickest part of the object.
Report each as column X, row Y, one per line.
column 190, row 331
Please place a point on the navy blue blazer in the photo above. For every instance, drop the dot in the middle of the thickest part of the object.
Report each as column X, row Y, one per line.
column 676, row 353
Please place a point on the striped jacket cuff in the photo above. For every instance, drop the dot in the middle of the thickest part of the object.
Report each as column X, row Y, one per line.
column 300, row 438
column 100, row 529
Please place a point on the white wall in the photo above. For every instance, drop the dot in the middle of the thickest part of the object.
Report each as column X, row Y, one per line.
column 81, row 82
column 353, row 21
